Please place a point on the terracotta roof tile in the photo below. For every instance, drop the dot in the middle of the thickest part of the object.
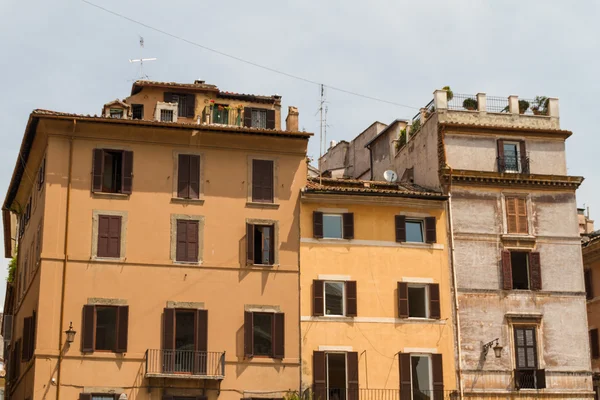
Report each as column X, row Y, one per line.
column 137, row 86
column 356, row 186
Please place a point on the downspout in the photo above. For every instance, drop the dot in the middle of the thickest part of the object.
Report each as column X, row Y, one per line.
column 64, row 272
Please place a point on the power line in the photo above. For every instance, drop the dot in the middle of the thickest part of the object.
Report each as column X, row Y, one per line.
column 350, row 92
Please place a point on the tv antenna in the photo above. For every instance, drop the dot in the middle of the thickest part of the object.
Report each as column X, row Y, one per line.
column 322, row 139
column 141, row 60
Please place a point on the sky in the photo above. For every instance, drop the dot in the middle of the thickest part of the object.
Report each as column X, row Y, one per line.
column 66, row 55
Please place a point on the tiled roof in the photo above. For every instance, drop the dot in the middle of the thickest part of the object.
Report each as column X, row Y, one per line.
column 591, row 238
column 362, row 187
column 174, row 85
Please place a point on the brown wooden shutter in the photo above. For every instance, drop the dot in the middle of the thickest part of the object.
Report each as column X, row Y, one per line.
column 589, row 288
column 191, row 105
column 18, row 359
column 122, row 329
column 270, row 119
column 521, row 206
column 262, row 181
column 319, row 375
column 405, row 381
column 247, row 117
column 317, row 225
column 540, row 379
column 97, row 170
column 32, row 334
column 434, row 301
column 501, row 162
column 114, row 236
column 594, row 343
column 430, row 230
column 512, row 224
column 85, row 396
column 506, row 271
column 26, row 337
column 194, row 192
column 400, row 228
column 279, row 335
column 348, row 219
column 183, row 176
column 127, row 181
column 192, row 241
column 318, row 299
column 168, row 97
column 272, row 245
column 402, row 300
column 535, row 271
column 351, row 300
column 201, row 330
column 248, row 334
column 169, row 329
column 437, row 376
column 250, row 244
column 352, row 360
column 523, row 156
column 88, row 336
column 181, row 246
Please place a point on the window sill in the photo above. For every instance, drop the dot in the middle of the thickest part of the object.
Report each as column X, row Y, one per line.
column 190, row 263
column 179, row 200
column 108, row 259
column 518, row 236
column 255, row 204
column 114, row 196
column 268, row 266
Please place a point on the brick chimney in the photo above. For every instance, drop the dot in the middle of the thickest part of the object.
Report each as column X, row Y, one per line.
column 291, row 122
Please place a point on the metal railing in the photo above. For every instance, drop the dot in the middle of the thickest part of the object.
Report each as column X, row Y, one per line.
column 529, row 379
column 329, row 393
column 518, row 165
column 185, row 364
column 495, row 104
column 462, row 102
column 223, row 116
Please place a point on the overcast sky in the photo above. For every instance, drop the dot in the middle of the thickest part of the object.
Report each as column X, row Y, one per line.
column 69, row 56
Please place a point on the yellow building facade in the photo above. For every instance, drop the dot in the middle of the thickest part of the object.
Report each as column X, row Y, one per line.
column 376, row 304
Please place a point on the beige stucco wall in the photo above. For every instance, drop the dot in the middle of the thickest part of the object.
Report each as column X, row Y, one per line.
column 377, row 263
column 147, row 278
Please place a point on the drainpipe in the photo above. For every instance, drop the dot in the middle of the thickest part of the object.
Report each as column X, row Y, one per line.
column 64, row 272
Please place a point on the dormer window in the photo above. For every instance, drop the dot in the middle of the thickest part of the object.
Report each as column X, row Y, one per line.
column 116, row 113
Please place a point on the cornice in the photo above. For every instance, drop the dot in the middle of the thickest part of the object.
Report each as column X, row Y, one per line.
column 488, row 178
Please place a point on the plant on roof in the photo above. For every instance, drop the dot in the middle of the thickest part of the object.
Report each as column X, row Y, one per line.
column 540, row 105
column 470, row 104
column 523, row 106
column 401, row 139
column 12, row 268
column 450, row 93
column 415, row 126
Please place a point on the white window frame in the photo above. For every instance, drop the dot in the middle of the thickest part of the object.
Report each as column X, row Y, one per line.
column 341, row 216
column 428, row 356
column 345, row 370
column 343, row 299
column 518, row 154
column 426, row 291
column 423, row 233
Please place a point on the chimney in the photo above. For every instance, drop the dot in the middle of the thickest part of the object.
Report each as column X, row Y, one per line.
column 291, row 122
column 198, row 82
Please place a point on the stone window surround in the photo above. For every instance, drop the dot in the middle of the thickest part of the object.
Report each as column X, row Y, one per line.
column 95, row 217
column 186, row 305
column 173, row 247
column 275, row 223
column 527, row 197
column 105, row 195
column 275, row 203
column 174, row 194
column 161, row 105
column 100, row 301
column 525, row 319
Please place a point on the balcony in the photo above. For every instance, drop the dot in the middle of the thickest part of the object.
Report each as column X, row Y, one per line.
column 378, row 394
column 185, row 364
column 512, row 164
column 530, row 379
column 223, row 115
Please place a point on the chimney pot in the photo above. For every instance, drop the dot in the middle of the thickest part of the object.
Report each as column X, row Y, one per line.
column 291, row 122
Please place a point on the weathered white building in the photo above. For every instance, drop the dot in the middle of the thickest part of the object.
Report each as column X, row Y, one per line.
column 514, row 234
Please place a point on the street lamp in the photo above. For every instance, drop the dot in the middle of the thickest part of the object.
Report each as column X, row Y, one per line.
column 70, row 333
column 497, row 348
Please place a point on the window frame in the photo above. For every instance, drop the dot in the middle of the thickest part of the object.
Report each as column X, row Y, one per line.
column 327, row 387
column 261, row 111
column 116, row 323
column 341, row 216
column 250, row 202
column 429, row 371
column 254, row 222
column 254, row 197
column 526, row 256
column 164, row 113
column 343, row 283
column 89, row 326
column 517, row 145
column 272, row 329
column 95, row 233
column 516, row 198
column 420, row 221
column 424, row 286
column 173, row 248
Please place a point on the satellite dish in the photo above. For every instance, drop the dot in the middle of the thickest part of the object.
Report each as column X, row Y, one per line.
column 390, row 176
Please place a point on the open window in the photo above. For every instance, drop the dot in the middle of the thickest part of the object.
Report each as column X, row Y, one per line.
column 334, row 298
column 185, row 341
column 512, row 157
column 112, row 171
column 105, row 328
column 416, row 300
column 264, row 334
column 521, row 270
column 421, row 376
column 333, row 225
column 260, row 243
column 335, row 375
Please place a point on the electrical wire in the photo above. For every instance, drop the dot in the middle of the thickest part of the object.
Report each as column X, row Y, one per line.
column 346, row 91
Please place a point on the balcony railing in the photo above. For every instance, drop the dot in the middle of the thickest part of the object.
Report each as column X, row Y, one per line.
column 223, row 116
column 185, row 364
column 517, row 165
column 530, row 379
column 330, row 393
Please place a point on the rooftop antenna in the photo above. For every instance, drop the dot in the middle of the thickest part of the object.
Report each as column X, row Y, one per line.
column 141, row 60
column 323, row 143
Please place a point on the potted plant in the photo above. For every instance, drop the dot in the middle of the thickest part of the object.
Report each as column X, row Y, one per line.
column 450, row 93
column 540, row 105
column 523, row 106
column 470, row 104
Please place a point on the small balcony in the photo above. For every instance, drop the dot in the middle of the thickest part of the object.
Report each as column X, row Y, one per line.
column 223, row 115
column 185, row 364
column 515, row 165
column 530, row 379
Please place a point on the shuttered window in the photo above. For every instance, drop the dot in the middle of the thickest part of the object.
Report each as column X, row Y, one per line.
column 105, row 328
column 112, row 171
column 185, row 330
column 335, row 298
column 594, row 343
column 414, row 230
column 333, row 226
column 109, row 236
column 419, row 301
column 421, row 376
column 262, row 181
column 260, row 244
column 187, row 240
column 186, row 103
column 264, row 334
column 259, row 118
column 521, row 270
column 516, row 215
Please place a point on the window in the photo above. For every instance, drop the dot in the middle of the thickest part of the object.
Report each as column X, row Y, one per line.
column 109, row 236
column 512, row 157
column 521, row 270
column 516, row 215
column 422, row 387
column 333, row 226
column 334, row 298
column 260, row 244
column 187, row 240
column 527, row 374
column 105, row 328
column 185, row 341
column 99, row 396
column 42, row 174
column 220, row 114
column 137, row 111
column 415, row 230
column 259, row 118
column 262, row 181
column 181, row 101
column 116, row 113
column 419, row 300
column 186, row 103
column 166, row 115
column 421, row 376
column 594, row 343
column 188, row 176
column 264, row 334
column 28, row 337
column 112, row 171
column 589, row 288
column 335, row 375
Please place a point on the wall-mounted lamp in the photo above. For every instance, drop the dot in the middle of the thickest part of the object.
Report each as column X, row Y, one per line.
column 70, row 333
column 497, row 348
